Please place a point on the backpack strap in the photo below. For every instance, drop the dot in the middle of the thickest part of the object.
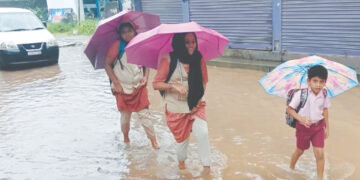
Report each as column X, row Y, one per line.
column 119, row 56
column 172, row 66
column 303, row 98
column 121, row 52
column 324, row 91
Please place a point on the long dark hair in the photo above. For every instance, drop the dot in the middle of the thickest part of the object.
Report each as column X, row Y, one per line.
column 195, row 80
column 119, row 30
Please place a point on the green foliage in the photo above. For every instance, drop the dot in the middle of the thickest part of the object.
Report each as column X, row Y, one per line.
column 60, row 27
column 86, row 27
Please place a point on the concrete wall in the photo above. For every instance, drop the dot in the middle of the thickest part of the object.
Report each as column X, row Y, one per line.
column 255, row 55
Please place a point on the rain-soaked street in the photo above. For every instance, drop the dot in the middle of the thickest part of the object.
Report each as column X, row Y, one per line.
column 61, row 122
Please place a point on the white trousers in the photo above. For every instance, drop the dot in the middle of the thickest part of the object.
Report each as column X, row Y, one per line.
column 146, row 119
column 200, row 131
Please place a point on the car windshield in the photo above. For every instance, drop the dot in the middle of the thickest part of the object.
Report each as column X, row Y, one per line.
column 19, row 21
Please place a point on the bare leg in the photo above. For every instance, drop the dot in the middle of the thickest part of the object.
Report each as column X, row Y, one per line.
column 125, row 125
column 206, row 171
column 320, row 162
column 182, row 165
column 295, row 156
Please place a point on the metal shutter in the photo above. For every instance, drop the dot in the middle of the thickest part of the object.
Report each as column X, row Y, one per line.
column 247, row 24
column 321, row 26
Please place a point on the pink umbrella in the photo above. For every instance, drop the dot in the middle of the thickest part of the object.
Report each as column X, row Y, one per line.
column 106, row 34
column 146, row 48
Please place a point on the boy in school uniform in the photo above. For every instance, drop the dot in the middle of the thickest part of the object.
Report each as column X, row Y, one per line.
column 312, row 119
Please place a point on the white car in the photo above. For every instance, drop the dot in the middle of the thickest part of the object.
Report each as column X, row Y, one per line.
column 24, row 39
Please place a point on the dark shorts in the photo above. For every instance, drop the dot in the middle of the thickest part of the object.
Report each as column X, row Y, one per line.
column 315, row 134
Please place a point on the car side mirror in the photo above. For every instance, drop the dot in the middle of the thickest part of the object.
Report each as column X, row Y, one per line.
column 44, row 23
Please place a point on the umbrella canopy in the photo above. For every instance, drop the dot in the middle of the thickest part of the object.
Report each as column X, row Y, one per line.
column 105, row 33
column 146, row 48
column 293, row 74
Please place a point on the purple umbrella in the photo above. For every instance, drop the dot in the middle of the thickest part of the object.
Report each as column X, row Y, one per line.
column 105, row 33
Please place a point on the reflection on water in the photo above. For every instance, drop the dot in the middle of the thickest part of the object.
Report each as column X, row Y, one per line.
column 13, row 78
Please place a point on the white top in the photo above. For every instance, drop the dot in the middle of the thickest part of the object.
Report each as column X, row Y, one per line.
column 314, row 105
column 129, row 77
column 175, row 102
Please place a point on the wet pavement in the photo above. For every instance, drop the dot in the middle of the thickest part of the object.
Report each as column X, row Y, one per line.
column 61, row 122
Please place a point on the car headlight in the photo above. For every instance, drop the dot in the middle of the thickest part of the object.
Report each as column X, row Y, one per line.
column 9, row 46
column 52, row 43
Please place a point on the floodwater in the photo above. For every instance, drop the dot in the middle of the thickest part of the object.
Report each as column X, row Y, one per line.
column 61, row 122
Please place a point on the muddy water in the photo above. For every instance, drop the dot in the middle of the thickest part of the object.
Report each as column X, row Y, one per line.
column 248, row 126
column 61, row 122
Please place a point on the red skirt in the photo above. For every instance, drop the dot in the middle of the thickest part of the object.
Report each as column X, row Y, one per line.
column 133, row 102
column 180, row 124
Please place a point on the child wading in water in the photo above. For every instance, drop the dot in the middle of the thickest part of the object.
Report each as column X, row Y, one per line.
column 312, row 119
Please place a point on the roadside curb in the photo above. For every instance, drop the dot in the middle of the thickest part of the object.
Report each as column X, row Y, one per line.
column 258, row 65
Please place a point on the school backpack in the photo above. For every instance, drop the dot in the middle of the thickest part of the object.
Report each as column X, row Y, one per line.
column 291, row 121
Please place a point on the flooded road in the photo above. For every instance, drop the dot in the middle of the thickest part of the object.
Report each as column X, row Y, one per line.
column 61, row 122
